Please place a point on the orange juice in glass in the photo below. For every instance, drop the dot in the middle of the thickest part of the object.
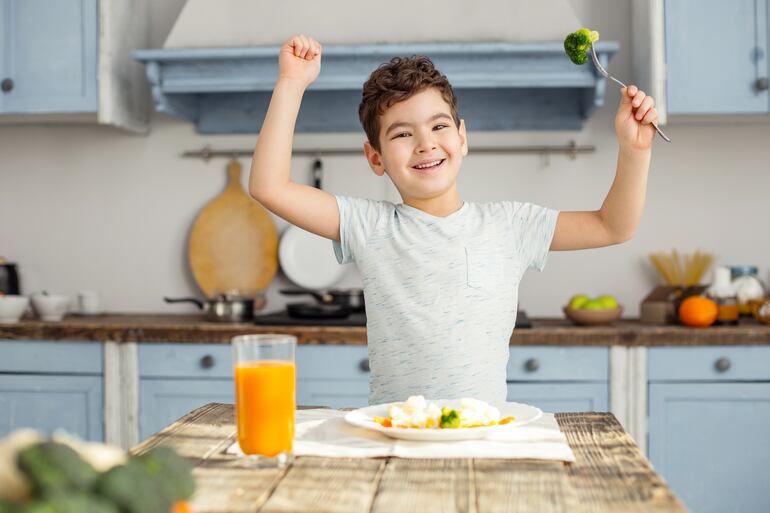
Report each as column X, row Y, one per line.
column 265, row 401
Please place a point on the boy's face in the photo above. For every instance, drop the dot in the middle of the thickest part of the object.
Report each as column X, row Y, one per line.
column 428, row 133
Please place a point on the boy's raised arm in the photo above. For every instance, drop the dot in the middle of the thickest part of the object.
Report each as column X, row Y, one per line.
column 270, row 182
column 617, row 219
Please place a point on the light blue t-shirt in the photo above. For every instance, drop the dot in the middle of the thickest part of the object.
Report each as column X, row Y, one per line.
column 441, row 293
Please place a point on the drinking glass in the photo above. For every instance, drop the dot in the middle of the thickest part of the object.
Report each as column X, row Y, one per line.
column 265, row 401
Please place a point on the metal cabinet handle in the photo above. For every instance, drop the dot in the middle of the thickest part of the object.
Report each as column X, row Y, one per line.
column 722, row 365
column 762, row 84
column 6, row 85
column 207, row 362
column 531, row 365
column 364, row 365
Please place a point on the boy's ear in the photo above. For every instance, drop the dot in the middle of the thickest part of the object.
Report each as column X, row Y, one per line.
column 463, row 137
column 374, row 159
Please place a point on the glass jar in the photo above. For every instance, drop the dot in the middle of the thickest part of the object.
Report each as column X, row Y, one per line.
column 747, row 285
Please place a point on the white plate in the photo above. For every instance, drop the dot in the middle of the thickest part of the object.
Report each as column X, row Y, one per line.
column 308, row 259
column 364, row 417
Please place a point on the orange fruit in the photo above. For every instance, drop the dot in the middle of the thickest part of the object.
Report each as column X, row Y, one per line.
column 698, row 311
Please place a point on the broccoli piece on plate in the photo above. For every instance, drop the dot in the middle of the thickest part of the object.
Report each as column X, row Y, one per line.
column 449, row 418
column 149, row 483
column 577, row 43
column 54, row 469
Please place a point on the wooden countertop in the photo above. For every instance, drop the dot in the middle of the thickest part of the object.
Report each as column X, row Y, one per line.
column 610, row 474
column 195, row 329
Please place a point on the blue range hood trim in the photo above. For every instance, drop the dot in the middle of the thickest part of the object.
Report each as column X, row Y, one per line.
column 499, row 86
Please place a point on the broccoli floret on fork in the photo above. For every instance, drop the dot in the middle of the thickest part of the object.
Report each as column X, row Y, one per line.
column 577, row 44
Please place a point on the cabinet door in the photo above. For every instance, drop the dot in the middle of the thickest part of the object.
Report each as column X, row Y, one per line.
column 71, row 403
column 711, row 443
column 715, row 53
column 48, row 50
column 332, row 393
column 561, row 397
column 162, row 401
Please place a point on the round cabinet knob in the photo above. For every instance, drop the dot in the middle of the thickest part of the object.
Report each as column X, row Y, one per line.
column 722, row 365
column 6, row 85
column 207, row 362
column 762, row 84
column 364, row 365
column 531, row 365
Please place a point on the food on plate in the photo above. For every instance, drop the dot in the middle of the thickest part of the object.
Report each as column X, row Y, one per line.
column 577, row 43
column 418, row 413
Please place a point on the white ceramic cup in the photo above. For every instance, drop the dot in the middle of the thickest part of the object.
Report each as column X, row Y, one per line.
column 88, row 302
column 50, row 307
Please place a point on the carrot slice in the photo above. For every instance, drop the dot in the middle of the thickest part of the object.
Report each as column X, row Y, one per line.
column 181, row 507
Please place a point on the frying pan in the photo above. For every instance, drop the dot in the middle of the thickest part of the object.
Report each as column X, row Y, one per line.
column 307, row 259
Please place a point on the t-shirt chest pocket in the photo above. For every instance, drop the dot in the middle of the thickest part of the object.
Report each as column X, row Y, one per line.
column 486, row 269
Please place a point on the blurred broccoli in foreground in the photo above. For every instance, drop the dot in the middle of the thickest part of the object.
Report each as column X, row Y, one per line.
column 449, row 418
column 577, row 43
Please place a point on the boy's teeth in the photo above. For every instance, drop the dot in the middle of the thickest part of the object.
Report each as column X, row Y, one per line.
column 430, row 164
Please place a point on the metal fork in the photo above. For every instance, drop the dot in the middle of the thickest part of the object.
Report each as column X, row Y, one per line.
column 621, row 84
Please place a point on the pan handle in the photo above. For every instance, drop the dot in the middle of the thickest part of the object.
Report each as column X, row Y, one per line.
column 184, row 300
column 299, row 292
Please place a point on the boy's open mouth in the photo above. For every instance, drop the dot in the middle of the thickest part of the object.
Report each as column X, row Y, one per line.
column 429, row 167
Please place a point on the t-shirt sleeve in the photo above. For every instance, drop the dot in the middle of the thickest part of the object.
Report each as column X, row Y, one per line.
column 358, row 219
column 533, row 228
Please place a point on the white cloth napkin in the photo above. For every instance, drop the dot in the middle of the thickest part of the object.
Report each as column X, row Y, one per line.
column 324, row 432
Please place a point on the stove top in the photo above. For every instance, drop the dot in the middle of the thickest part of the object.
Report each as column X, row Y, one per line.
column 282, row 318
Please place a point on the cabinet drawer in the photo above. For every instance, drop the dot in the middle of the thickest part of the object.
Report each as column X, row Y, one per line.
column 719, row 363
column 186, row 360
column 332, row 362
column 51, row 357
column 547, row 363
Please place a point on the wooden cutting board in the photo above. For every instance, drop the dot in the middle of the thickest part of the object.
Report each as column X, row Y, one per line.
column 233, row 243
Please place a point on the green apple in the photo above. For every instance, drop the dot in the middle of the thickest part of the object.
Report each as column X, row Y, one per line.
column 608, row 301
column 593, row 304
column 578, row 301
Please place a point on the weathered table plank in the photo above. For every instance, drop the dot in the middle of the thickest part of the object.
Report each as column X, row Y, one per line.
column 610, row 474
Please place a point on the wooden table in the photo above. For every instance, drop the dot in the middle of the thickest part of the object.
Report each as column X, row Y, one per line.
column 610, row 474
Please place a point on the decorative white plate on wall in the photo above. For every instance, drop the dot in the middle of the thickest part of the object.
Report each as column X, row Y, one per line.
column 308, row 259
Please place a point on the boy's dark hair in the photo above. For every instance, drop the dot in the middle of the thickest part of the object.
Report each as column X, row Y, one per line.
column 396, row 81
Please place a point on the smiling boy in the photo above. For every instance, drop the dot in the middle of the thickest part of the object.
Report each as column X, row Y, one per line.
column 440, row 275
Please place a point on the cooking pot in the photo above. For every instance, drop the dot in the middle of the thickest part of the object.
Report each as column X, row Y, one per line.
column 353, row 299
column 225, row 307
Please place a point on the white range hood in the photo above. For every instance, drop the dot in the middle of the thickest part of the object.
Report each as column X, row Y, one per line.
column 504, row 59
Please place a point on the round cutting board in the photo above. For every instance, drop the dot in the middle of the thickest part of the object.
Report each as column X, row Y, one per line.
column 233, row 243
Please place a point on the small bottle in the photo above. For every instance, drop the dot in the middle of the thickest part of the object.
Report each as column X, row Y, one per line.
column 722, row 292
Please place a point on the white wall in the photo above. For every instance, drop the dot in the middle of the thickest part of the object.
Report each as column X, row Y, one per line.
column 87, row 207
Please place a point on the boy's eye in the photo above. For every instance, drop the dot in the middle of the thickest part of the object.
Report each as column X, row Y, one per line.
column 407, row 133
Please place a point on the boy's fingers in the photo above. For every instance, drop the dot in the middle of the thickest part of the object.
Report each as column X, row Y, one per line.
column 632, row 90
column 624, row 96
column 638, row 98
column 650, row 117
column 645, row 106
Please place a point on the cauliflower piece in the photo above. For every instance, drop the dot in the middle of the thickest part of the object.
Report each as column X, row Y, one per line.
column 13, row 484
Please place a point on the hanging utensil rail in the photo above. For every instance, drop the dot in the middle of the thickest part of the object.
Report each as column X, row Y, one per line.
column 571, row 150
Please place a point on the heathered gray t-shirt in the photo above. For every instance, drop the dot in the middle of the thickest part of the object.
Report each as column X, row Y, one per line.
column 441, row 292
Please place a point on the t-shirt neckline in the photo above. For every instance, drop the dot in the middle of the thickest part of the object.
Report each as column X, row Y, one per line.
column 421, row 213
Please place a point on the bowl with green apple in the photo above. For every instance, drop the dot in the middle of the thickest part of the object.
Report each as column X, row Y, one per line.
column 591, row 311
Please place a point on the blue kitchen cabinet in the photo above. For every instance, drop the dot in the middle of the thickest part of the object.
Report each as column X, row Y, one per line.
column 333, row 376
column 175, row 379
column 716, row 56
column 52, row 385
column 709, row 408
column 48, row 56
column 559, row 379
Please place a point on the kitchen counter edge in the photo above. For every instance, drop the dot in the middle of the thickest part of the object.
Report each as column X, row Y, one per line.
column 160, row 328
